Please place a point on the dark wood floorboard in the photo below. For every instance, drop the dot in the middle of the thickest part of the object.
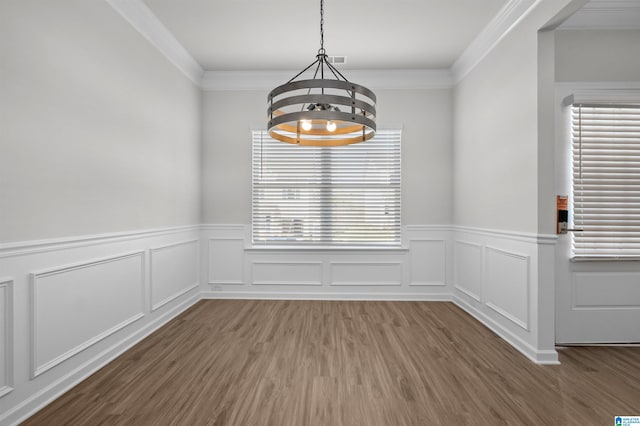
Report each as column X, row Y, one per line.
column 232, row 362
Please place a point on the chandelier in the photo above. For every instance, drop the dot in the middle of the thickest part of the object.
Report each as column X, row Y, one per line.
column 326, row 110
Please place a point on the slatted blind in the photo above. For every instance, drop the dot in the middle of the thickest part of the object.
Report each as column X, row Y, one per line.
column 344, row 195
column 606, row 180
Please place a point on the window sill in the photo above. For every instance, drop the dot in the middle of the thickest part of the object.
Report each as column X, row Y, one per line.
column 257, row 248
column 578, row 259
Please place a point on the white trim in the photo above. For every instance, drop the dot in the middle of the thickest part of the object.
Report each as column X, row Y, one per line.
column 507, row 18
column 444, row 266
column 46, row 395
column 278, row 262
column 456, row 285
column 7, row 387
column 278, row 295
column 603, row 92
column 174, row 297
column 335, row 283
column 527, row 259
column 545, row 357
column 147, row 23
column 212, row 240
column 333, row 249
column 598, row 85
column 425, row 79
column 427, row 284
column 544, row 239
column 183, row 290
column 21, row 248
column 36, row 369
column 223, row 227
column 605, row 14
column 467, row 292
column 428, row 227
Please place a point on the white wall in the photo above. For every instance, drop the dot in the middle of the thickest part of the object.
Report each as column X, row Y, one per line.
column 100, row 163
column 495, row 138
column 99, row 131
column 424, row 116
column 597, row 55
column 502, row 186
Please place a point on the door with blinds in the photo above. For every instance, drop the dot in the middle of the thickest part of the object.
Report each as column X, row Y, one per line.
column 598, row 261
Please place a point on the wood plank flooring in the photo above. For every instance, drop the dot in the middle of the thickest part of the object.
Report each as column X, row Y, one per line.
column 233, row 362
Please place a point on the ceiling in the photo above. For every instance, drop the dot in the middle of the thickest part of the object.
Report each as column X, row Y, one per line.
column 256, row 35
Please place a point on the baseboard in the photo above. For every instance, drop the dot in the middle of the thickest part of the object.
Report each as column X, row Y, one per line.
column 272, row 295
column 56, row 389
column 543, row 357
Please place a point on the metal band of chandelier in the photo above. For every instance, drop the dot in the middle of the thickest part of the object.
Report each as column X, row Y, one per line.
column 321, row 111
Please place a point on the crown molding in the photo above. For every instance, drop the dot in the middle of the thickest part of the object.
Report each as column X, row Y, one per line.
column 146, row 23
column 506, row 19
column 605, row 14
column 374, row 79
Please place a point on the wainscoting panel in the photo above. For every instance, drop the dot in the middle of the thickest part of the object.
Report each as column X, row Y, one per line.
column 6, row 336
column 73, row 307
column 304, row 273
column 174, row 271
column 365, row 273
column 468, row 269
column 507, row 285
column 428, row 262
column 416, row 270
column 69, row 306
column 226, row 261
column 605, row 290
column 497, row 281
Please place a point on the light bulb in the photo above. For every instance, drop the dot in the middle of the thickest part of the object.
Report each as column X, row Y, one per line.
column 331, row 126
column 305, row 124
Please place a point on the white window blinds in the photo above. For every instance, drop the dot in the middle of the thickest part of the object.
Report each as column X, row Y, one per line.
column 344, row 195
column 606, row 180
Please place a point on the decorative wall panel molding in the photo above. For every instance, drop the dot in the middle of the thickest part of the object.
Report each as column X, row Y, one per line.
column 468, row 269
column 23, row 248
column 74, row 307
column 226, row 261
column 6, row 336
column 173, row 271
column 351, row 273
column 341, row 272
column 70, row 298
column 508, row 285
column 303, row 273
column 428, row 262
column 73, row 304
column 496, row 281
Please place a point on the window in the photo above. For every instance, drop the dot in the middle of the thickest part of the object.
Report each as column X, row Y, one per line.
column 344, row 195
column 606, row 180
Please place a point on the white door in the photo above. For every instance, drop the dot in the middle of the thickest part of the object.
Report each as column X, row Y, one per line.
column 597, row 301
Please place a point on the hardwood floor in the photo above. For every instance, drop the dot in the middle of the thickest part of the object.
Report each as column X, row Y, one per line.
column 345, row 363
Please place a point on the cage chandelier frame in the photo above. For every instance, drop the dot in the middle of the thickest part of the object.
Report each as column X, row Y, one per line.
column 321, row 111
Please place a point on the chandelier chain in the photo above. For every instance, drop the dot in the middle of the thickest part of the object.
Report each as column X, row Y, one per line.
column 322, row 51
